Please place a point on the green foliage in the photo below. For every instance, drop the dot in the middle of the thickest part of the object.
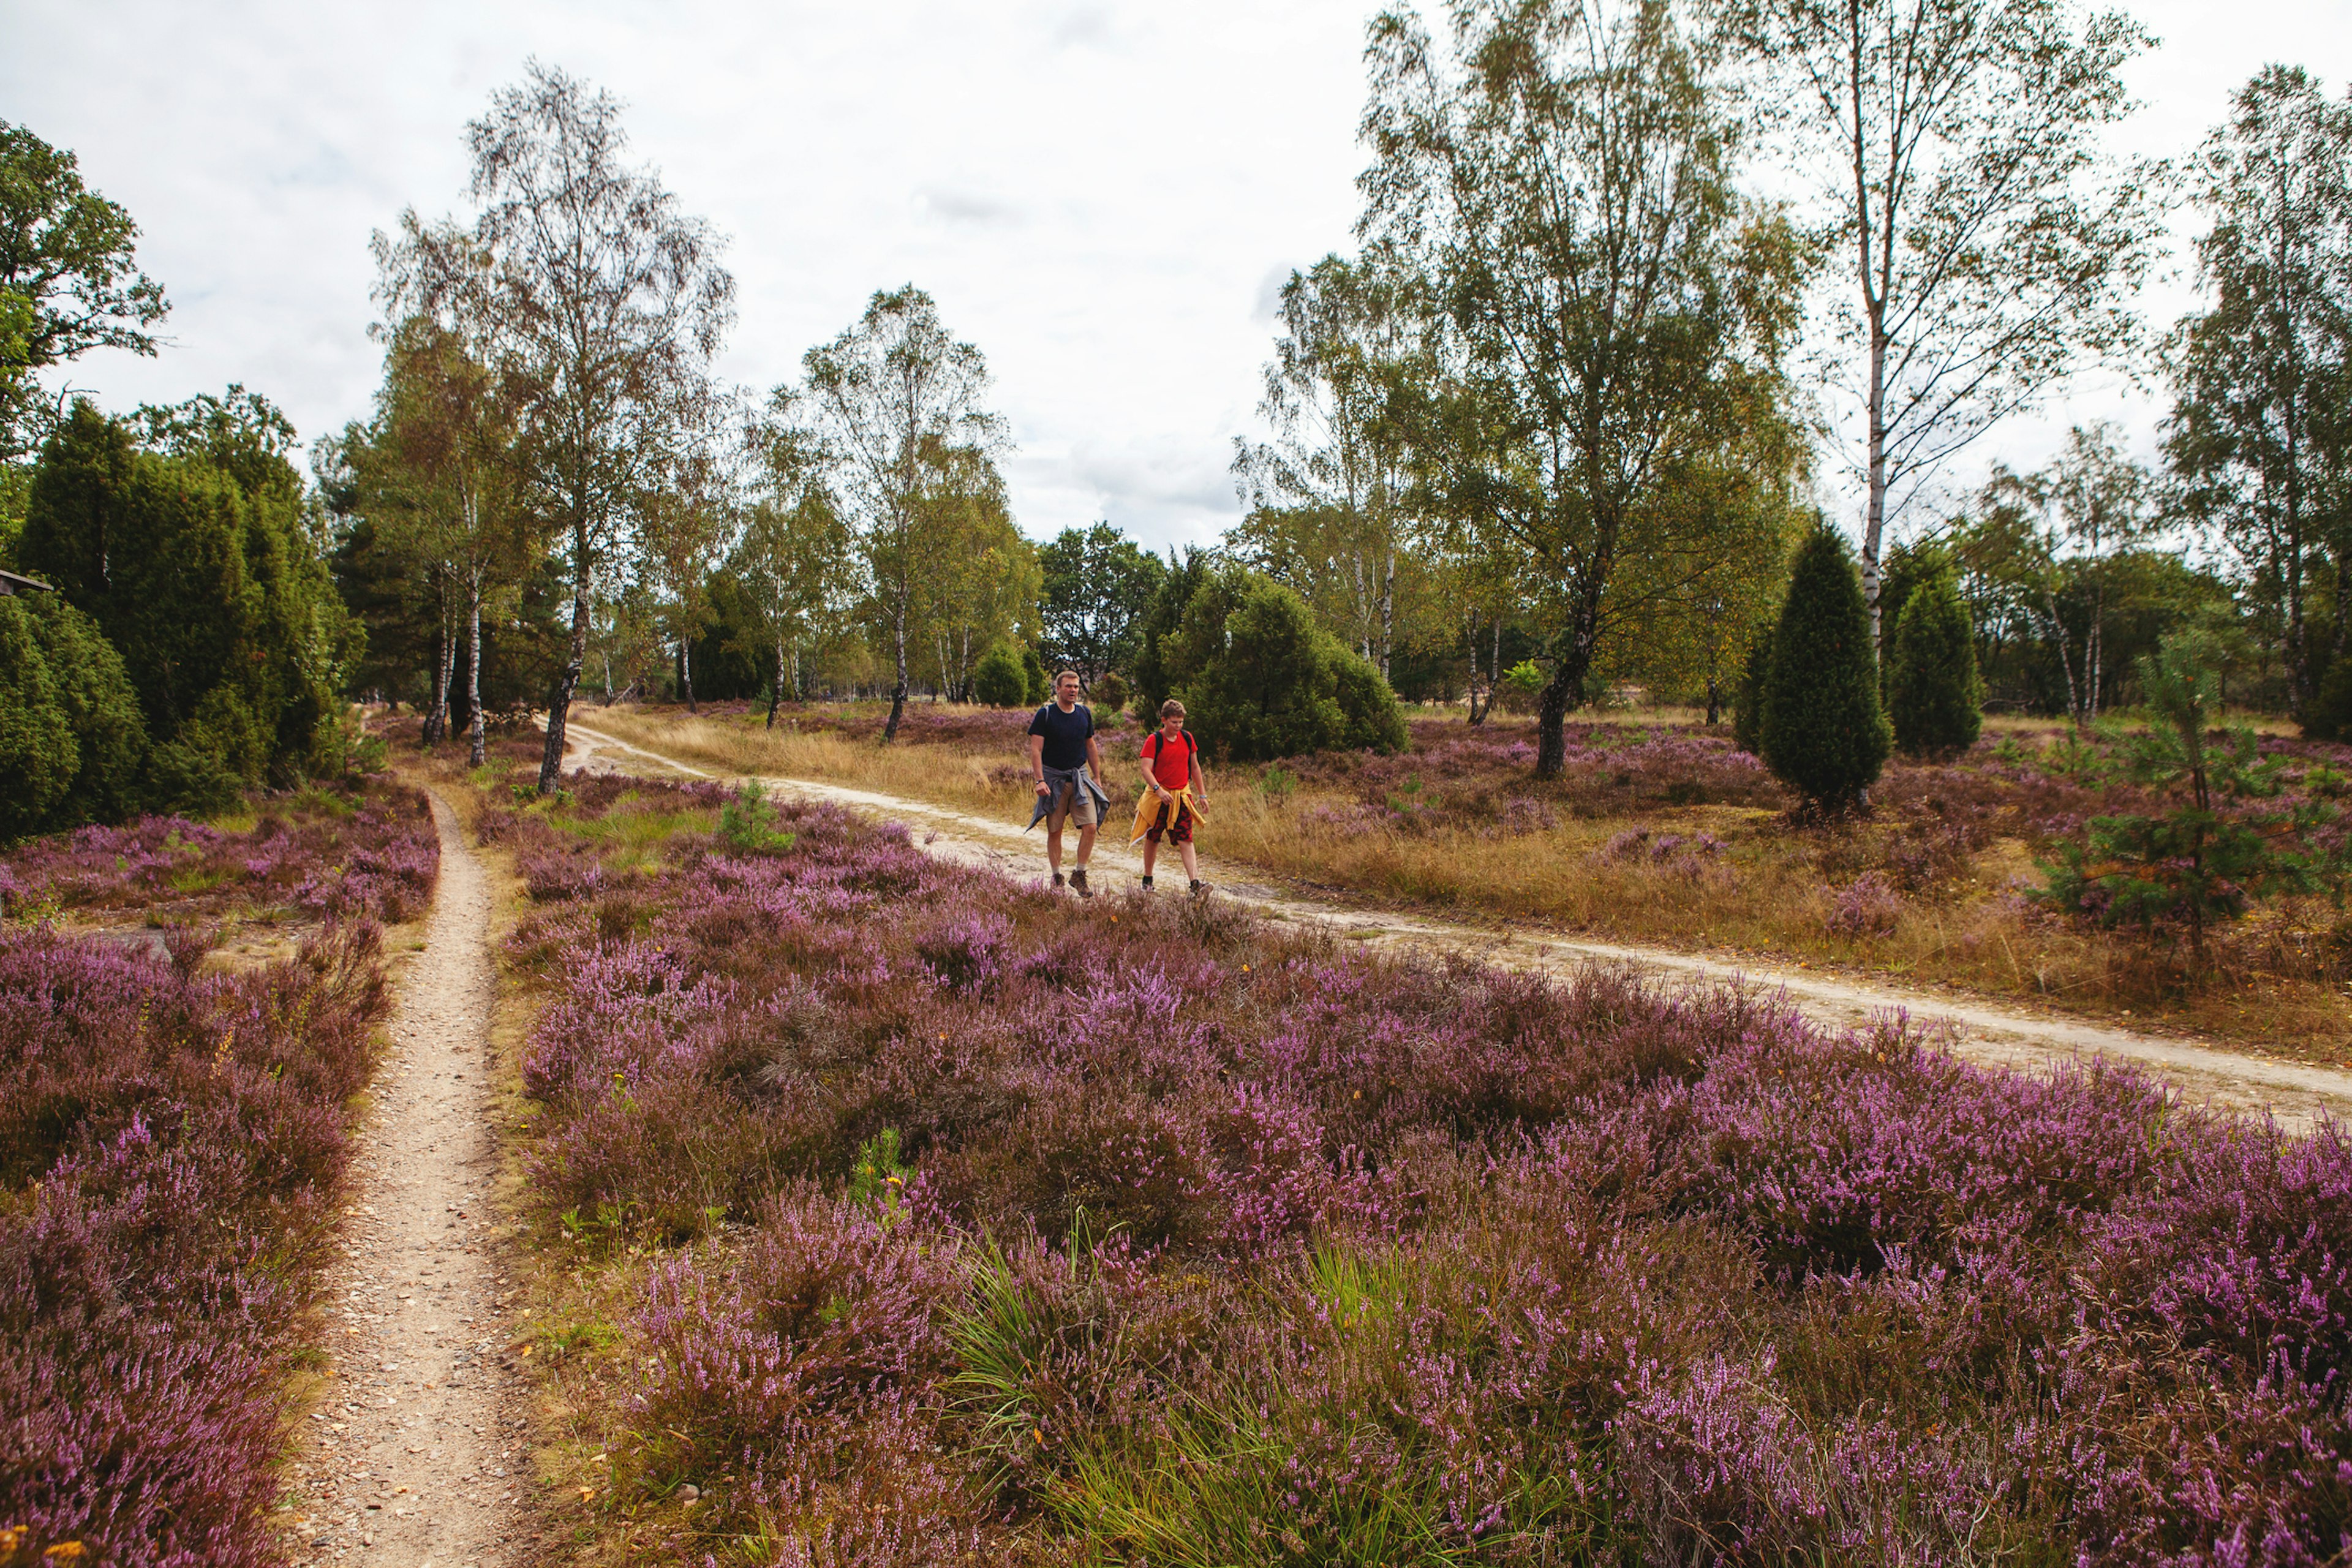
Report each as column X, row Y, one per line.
column 878, row 1178
column 998, row 678
column 100, row 709
column 747, row 823
column 1369, row 720
column 1032, row 671
column 1906, row 567
column 1153, row 682
column 196, row 566
column 1260, row 679
column 1109, row 695
column 68, row 278
column 1824, row 732
column 1748, row 704
column 2260, row 434
column 2203, row 860
column 37, row 755
column 1621, row 452
column 1936, row 698
column 1098, row 587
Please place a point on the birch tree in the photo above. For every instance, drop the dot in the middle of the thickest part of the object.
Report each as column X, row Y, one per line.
column 894, row 392
column 607, row 305
column 434, row 473
column 1327, row 496
column 1989, row 245
column 2260, row 430
column 795, row 557
column 1566, row 185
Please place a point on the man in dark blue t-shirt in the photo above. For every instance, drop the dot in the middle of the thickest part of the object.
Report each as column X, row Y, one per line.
column 1067, row 760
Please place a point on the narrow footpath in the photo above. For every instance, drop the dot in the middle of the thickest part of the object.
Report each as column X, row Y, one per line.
column 2297, row 1093
column 411, row 1460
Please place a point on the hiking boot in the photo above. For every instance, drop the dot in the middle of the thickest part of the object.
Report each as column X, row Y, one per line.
column 1058, row 881
column 1078, row 881
column 1200, row 890
column 1147, row 884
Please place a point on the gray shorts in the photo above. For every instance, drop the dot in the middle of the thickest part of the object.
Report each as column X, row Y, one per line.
column 1082, row 811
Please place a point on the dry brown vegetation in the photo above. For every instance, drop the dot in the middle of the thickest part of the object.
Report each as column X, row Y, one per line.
column 1660, row 833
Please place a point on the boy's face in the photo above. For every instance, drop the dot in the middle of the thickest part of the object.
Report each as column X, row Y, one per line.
column 1172, row 726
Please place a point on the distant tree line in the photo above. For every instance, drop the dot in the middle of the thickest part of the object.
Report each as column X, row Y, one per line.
column 1551, row 436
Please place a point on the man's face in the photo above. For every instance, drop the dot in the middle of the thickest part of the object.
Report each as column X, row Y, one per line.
column 1067, row 688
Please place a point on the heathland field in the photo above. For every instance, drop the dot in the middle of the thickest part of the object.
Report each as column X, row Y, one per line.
column 848, row 1204
column 188, row 1016
column 888, row 1212
column 1661, row 830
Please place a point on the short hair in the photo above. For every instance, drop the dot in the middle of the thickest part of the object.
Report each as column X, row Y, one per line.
column 1172, row 708
column 1060, row 675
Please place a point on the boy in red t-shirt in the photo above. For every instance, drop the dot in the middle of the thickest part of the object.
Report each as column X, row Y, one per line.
column 1175, row 790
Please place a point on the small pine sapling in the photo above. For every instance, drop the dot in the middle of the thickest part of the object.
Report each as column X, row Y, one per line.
column 2203, row 860
column 747, row 823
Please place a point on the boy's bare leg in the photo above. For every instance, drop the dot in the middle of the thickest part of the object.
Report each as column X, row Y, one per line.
column 1191, row 861
column 1150, row 853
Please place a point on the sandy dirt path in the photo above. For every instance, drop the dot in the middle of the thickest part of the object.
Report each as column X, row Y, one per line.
column 408, row 1462
column 2297, row 1093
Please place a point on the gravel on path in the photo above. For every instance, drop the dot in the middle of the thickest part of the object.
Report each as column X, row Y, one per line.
column 2297, row 1093
column 413, row 1458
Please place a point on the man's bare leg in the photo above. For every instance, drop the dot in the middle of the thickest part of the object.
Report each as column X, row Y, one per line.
column 1086, row 844
column 1053, row 844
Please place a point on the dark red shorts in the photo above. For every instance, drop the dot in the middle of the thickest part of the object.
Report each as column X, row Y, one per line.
column 1179, row 834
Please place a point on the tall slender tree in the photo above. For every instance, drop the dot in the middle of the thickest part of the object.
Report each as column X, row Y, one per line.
column 795, row 558
column 687, row 528
column 1990, row 244
column 1327, row 497
column 890, row 400
column 2260, row 430
column 435, row 475
column 607, row 306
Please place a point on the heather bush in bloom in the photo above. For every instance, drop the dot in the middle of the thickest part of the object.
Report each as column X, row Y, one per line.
column 370, row 853
column 170, row 1143
column 1221, row 1244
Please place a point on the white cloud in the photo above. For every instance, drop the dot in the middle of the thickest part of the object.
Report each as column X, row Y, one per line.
column 1099, row 196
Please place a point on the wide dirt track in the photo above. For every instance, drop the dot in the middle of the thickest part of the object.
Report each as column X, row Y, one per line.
column 2296, row 1094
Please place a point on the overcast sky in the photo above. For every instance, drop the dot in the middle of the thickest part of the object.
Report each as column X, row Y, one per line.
column 1104, row 197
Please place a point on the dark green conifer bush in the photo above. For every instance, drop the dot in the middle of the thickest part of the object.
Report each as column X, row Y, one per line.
column 1259, row 679
column 1747, row 703
column 37, row 755
column 998, row 679
column 1823, row 730
column 1935, row 696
